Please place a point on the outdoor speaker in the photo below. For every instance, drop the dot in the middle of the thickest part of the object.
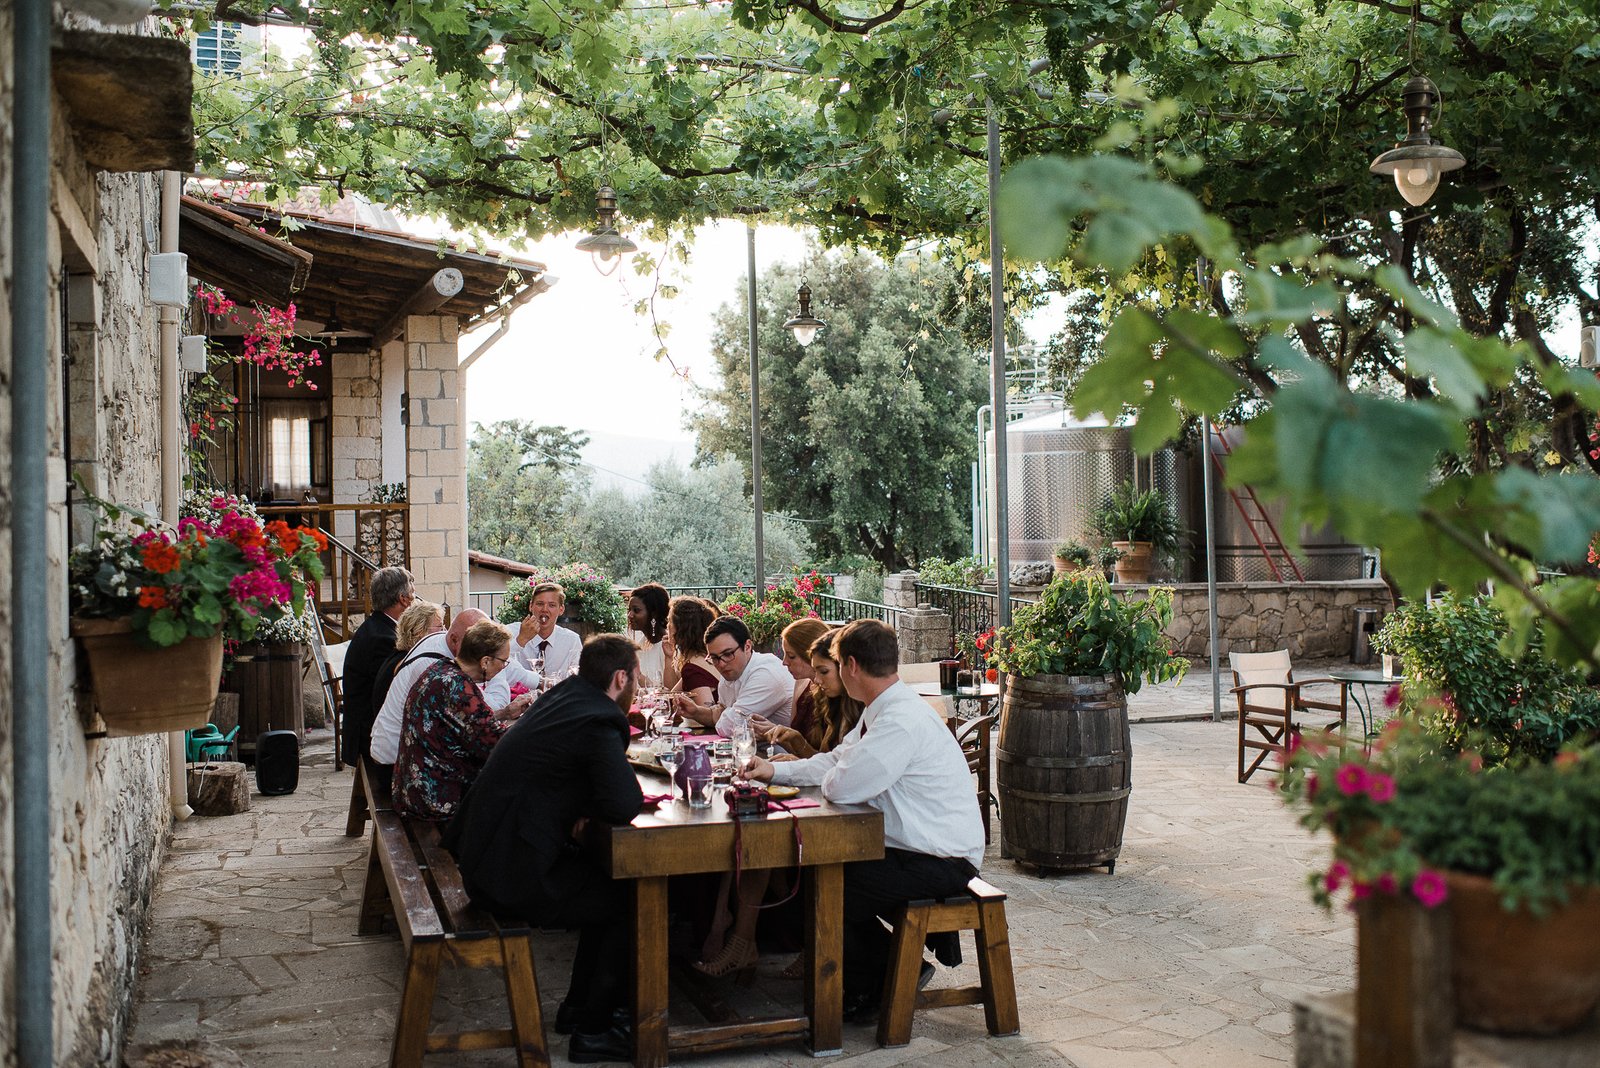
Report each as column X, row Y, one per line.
column 277, row 762
column 1589, row 347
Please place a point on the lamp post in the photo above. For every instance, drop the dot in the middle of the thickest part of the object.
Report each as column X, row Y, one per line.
column 605, row 245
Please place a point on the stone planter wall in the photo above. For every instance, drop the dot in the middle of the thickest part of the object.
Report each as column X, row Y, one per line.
column 1310, row 619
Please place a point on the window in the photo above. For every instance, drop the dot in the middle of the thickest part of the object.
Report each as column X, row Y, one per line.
column 289, row 446
column 219, row 50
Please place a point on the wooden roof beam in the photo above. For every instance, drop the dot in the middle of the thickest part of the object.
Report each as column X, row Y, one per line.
column 429, row 297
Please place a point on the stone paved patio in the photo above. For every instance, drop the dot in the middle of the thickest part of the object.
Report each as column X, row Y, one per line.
column 1192, row 954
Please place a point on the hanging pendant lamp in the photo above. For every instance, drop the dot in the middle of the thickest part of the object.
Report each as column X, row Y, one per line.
column 1417, row 162
column 804, row 325
column 605, row 244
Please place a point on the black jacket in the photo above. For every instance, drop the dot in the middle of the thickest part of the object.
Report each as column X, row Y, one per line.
column 371, row 646
column 566, row 758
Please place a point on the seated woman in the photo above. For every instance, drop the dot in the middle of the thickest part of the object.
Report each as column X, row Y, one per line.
column 688, row 668
column 647, row 620
column 833, row 715
column 834, row 712
column 449, row 728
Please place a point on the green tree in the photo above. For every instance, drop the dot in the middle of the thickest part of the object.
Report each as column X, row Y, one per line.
column 869, row 429
column 523, row 484
column 691, row 527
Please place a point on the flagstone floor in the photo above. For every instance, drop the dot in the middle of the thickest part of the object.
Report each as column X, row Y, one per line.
column 1191, row 955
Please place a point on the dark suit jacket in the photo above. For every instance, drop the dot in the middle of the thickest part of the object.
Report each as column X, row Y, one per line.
column 565, row 758
column 371, row 646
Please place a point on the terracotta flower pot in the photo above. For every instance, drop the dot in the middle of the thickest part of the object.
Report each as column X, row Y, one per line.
column 1520, row 974
column 1138, row 557
column 1064, row 566
column 140, row 689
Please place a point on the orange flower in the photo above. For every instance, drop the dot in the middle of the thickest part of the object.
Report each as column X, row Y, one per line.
column 161, row 557
column 152, row 597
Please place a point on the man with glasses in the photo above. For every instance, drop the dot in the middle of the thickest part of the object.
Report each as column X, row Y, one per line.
column 753, row 684
column 543, row 646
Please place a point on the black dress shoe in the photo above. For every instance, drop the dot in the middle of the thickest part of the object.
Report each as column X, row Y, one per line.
column 566, row 1018
column 925, row 975
column 615, row 1043
column 861, row 1008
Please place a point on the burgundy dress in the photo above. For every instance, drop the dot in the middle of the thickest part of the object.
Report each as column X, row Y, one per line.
column 805, row 718
column 695, row 676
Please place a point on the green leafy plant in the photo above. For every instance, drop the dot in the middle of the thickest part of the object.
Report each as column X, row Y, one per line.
column 1132, row 514
column 784, row 603
column 1080, row 627
column 1075, row 553
column 1414, row 808
column 1107, row 556
column 223, row 574
column 591, row 598
column 1461, row 683
column 967, row 572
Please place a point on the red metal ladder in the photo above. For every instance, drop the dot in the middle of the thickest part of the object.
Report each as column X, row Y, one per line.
column 1254, row 515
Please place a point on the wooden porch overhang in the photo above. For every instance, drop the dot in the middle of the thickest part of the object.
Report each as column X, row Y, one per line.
column 233, row 253
column 367, row 279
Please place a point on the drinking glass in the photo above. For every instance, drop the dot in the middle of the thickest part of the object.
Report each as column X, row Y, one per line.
column 699, row 791
column 722, row 773
column 744, row 747
column 669, row 763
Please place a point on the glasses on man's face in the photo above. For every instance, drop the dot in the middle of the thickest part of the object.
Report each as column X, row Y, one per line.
column 722, row 658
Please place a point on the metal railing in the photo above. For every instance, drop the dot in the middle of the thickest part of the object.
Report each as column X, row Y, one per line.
column 486, row 601
column 844, row 609
column 970, row 611
column 715, row 594
column 346, row 589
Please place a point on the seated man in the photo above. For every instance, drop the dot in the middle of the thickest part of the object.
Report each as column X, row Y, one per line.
column 548, row 649
column 392, row 592
column 901, row 759
column 753, row 684
column 517, row 835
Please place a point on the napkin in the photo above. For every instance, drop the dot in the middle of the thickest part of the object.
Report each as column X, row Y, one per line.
column 634, row 732
column 796, row 802
column 656, row 799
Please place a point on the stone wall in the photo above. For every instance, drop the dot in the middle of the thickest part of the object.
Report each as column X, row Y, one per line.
column 1313, row 620
column 436, row 460
column 109, row 814
column 357, row 432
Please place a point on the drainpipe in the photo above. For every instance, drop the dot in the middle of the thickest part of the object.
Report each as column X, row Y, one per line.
column 171, row 449
column 980, row 512
column 30, row 588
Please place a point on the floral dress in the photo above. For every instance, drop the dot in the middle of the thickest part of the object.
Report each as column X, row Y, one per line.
column 445, row 740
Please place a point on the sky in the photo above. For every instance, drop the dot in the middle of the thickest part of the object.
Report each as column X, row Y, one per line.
column 578, row 355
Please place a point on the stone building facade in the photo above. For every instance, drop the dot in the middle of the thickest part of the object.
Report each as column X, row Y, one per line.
column 109, row 812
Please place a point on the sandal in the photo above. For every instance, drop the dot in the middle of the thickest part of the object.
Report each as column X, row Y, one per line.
column 738, row 954
column 795, row 969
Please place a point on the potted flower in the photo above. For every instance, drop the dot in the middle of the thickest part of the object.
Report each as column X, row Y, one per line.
column 1512, row 850
column 151, row 605
column 1106, row 558
column 1072, row 556
column 783, row 604
column 1065, row 763
column 593, row 603
column 1140, row 523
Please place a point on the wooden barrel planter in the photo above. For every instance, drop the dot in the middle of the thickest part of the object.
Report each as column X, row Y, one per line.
column 1064, row 770
column 266, row 676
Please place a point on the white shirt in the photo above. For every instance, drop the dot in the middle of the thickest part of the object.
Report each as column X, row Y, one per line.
column 763, row 688
column 652, row 660
column 901, row 759
column 497, row 694
column 559, row 659
column 385, row 745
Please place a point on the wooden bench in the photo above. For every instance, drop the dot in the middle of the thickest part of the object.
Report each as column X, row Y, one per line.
column 360, row 797
column 414, row 881
column 981, row 910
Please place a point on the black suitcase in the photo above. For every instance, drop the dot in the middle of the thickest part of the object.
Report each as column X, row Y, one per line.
column 277, row 762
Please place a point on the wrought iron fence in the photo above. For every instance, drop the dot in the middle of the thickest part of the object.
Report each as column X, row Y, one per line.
column 970, row 611
column 844, row 609
column 715, row 594
column 486, row 601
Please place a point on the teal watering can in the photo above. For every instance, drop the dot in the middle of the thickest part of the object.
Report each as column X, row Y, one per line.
column 207, row 743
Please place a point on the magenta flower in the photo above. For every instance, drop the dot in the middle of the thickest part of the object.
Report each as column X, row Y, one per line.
column 1380, row 787
column 1391, row 697
column 1338, row 875
column 1313, row 784
column 1387, row 883
column 1361, row 890
column 1351, row 779
column 1429, row 888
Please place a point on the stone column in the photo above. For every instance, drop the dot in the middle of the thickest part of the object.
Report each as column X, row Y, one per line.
column 436, row 460
column 924, row 634
column 357, row 432
column 900, row 589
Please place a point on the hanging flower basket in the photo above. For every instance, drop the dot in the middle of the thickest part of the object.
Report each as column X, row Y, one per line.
column 140, row 689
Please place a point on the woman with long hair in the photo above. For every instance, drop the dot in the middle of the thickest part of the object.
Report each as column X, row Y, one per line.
column 647, row 621
column 833, row 712
column 688, row 669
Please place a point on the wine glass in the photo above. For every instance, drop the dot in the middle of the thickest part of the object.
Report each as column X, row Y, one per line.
column 744, row 746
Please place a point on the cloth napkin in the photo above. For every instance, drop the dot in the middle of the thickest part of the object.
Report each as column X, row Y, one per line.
column 795, row 802
column 656, row 799
column 634, row 732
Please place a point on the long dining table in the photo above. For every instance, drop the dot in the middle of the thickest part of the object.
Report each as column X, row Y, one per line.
column 674, row 839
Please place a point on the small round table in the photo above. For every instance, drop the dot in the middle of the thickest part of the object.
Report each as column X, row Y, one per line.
column 1363, row 701
column 986, row 696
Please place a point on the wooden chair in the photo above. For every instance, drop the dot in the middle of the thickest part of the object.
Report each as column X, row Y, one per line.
column 973, row 737
column 981, row 910
column 1269, row 698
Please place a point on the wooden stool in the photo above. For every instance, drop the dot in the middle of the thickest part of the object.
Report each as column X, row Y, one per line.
column 983, row 912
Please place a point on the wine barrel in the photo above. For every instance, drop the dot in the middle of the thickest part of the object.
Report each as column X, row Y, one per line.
column 266, row 676
column 1064, row 770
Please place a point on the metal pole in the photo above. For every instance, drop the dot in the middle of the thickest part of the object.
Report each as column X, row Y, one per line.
column 997, row 381
column 30, row 571
column 755, row 416
column 171, row 453
column 1211, row 545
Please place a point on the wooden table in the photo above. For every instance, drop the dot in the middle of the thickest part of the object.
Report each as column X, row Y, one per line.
column 674, row 839
column 986, row 696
